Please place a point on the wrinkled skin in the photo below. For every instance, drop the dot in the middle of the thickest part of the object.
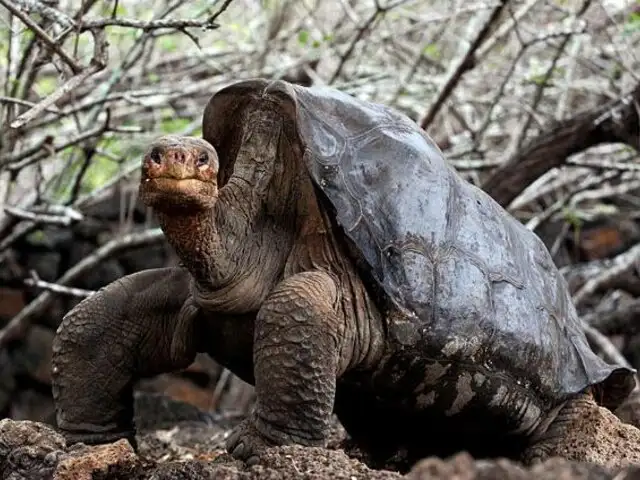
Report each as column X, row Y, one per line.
column 272, row 290
column 274, row 313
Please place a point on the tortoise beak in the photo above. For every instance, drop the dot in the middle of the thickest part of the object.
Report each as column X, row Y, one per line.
column 179, row 172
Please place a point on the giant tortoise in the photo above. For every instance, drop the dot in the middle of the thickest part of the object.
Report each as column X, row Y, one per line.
column 332, row 258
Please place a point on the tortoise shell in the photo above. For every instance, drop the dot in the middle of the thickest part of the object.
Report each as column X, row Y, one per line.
column 475, row 282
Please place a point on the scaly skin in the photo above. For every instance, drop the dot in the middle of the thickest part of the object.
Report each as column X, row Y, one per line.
column 278, row 304
column 121, row 333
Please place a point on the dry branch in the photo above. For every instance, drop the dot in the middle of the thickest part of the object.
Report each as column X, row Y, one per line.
column 617, row 121
column 177, row 24
column 620, row 265
column 544, row 81
column 43, row 218
column 360, row 33
column 46, row 11
column 465, row 63
column 97, row 63
column 36, row 281
column 50, row 42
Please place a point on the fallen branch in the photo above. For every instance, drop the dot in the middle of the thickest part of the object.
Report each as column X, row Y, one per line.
column 603, row 345
column 614, row 122
column 36, row 281
column 623, row 320
column 19, row 324
column 620, row 265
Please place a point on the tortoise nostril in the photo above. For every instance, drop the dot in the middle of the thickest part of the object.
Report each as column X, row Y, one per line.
column 155, row 156
column 178, row 156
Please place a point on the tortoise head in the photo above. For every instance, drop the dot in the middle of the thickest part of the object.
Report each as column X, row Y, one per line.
column 179, row 173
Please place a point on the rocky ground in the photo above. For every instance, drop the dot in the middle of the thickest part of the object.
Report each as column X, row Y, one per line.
column 179, row 441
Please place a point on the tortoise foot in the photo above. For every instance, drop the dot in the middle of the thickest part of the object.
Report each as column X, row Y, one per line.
column 552, row 441
column 536, row 454
column 584, row 431
column 246, row 443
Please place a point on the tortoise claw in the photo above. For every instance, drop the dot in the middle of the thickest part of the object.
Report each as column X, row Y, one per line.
column 246, row 443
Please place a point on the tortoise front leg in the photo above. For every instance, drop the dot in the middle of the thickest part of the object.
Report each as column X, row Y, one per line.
column 297, row 358
column 108, row 341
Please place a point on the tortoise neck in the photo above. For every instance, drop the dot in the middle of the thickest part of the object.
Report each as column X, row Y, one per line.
column 235, row 252
column 195, row 236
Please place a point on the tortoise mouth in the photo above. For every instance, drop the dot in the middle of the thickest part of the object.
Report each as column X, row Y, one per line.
column 172, row 183
column 167, row 193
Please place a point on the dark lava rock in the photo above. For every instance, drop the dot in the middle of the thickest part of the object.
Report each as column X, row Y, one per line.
column 192, row 470
column 463, row 467
column 190, row 446
column 313, row 464
column 28, row 450
column 111, row 461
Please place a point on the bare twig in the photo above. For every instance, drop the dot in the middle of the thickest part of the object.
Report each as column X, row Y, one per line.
column 616, row 121
column 220, row 11
column 35, row 281
column 542, row 83
column 463, row 64
column 605, row 164
column 22, row 159
column 44, row 36
column 177, row 24
column 51, row 13
column 575, row 190
column 620, row 265
column 63, row 220
column 98, row 62
column 60, row 210
column 349, row 51
column 25, row 103
column 21, row 230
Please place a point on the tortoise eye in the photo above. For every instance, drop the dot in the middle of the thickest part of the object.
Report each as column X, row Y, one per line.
column 155, row 155
column 203, row 159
